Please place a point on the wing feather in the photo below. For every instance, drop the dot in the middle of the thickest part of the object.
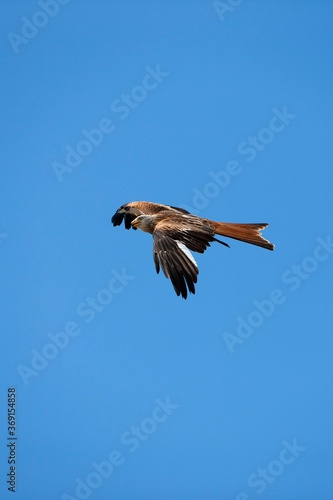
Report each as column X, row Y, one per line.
column 119, row 217
column 194, row 232
column 177, row 264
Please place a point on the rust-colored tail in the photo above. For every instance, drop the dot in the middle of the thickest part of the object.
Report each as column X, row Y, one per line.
column 250, row 233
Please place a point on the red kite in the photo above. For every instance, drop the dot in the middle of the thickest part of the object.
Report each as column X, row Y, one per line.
column 175, row 232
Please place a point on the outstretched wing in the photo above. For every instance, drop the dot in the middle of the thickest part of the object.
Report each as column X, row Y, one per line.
column 130, row 211
column 176, row 262
column 194, row 232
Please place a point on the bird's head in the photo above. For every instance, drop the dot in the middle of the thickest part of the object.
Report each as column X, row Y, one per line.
column 144, row 222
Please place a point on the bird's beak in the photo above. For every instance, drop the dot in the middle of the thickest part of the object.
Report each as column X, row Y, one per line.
column 134, row 223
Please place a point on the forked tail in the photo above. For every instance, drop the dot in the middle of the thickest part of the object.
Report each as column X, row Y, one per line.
column 249, row 233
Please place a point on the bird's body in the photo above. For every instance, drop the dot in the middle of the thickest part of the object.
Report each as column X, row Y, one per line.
column 176, row 231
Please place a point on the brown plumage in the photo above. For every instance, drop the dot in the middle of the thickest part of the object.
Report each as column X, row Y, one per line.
column 176, row 231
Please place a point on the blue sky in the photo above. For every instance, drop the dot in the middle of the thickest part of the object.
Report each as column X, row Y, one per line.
column 124, row 390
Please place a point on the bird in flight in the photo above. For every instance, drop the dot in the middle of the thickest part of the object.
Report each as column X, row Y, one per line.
column 176, row 231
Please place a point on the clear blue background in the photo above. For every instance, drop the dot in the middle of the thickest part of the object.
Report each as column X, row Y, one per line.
column 226, row 74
